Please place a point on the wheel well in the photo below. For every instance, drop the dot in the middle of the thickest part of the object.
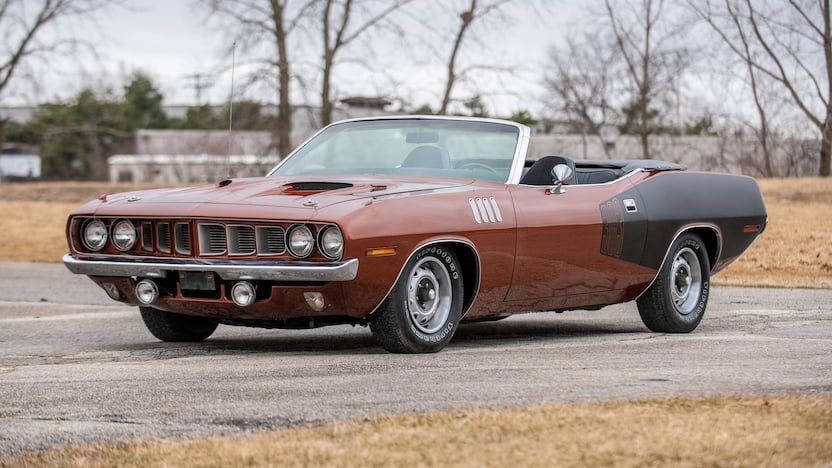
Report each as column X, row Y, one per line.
column 470, row 271
column 711, row 239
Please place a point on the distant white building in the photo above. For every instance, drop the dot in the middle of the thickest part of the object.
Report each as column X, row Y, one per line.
column 171, row 169
column 174, row 156
column 201, row 142
column 19, row 165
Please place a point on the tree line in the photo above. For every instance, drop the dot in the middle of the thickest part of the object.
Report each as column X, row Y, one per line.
column 75, row 138
column 635, row 67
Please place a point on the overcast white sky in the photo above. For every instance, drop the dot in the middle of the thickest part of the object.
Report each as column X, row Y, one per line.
column 169, row 40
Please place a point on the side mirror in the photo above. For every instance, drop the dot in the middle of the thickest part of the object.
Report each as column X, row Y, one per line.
column 561, row 174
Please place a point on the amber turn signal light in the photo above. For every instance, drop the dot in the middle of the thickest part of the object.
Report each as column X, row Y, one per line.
column 381, row 251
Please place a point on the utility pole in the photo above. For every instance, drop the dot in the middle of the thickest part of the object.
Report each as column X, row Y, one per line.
column 199, row 82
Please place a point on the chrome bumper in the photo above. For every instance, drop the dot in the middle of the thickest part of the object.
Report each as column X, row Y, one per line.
column 225, row 269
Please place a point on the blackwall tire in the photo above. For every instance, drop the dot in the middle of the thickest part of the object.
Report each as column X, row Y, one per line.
column 168, row 326
column 676, row 301
column 423, row 310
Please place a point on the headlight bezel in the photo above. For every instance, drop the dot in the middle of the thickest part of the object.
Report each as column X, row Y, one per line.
column 132, row 242
column 311, row 242
column 322, row 243
column 86, row 243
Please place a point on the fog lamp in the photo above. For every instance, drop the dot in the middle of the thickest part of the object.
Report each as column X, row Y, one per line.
column 315, row 300
column 243, row 294
column 147, row 292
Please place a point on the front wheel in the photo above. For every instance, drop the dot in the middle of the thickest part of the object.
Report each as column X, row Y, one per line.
column 423, row 309
column 676, row 301
column 168, row 326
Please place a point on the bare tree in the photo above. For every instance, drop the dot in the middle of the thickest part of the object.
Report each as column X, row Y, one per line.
column 476, row 11
column 23, row 23
column 654, row 60
column 728, row 26
column 263, row 29
column 342, row 24
column 581, row 82
column 789, row 43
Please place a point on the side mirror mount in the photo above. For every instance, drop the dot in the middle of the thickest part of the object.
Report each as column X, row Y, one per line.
column 562, row 174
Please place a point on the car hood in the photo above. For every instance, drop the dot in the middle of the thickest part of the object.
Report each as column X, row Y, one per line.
column 286, row 191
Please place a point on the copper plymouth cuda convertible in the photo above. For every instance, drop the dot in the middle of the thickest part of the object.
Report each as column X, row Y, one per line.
column 412, row 225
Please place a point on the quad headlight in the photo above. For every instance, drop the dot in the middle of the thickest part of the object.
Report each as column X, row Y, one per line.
column 301, row 241
column 124, row 235
column 94, row 235
column 331, row 242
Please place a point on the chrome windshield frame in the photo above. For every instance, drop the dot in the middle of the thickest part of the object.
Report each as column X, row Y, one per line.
column 520, row 149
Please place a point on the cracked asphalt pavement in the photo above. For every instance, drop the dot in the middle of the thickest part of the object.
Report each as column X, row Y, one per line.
column 78, row 368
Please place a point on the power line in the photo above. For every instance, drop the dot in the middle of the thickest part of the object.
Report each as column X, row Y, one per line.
column 199, row 82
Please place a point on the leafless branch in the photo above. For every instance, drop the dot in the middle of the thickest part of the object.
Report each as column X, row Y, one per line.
column 23, row 24
column 782, row 45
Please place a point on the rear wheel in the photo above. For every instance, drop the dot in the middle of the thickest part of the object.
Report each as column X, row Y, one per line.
column 168, row 326
column 423, row 310
column 676, row 301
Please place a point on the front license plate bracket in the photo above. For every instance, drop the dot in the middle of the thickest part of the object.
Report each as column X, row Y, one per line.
column 197, row 280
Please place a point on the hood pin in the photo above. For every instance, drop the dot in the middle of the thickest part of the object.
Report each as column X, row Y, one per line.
column 310, row 203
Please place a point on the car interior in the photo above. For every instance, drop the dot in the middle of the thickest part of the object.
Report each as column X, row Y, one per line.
column 588, row 172
column 427, row 156
column 539, row 172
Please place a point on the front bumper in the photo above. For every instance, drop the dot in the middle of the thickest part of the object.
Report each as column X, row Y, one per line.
column 226, row 269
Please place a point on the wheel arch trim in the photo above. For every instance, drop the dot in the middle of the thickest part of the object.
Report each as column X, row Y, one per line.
column 686, row 228
column 444, row 240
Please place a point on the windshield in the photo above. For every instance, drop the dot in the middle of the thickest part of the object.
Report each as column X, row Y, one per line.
column 439, row 148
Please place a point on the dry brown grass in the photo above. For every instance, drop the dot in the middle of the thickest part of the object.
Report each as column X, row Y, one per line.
column 33, row 231
column 64, row 192
column 772, row 431
column 795, row 250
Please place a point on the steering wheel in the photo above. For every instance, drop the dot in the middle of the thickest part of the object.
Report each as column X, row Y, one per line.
column 478, row 165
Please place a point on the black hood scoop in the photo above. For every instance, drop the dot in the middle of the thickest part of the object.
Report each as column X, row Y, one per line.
column 319, row 186
column 306, row 188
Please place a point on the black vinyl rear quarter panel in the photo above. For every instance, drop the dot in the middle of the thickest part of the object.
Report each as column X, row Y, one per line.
column 675, row 199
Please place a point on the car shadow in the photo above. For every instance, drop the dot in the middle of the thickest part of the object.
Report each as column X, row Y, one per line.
column 513, row 328
column 358, row 340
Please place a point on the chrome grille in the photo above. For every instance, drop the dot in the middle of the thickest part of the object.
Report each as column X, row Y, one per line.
column 212, row 239
column 271, row 240
column 241, row 240
column 163, row 237
column 147, row 237
column 208, row 237
column 182, row 238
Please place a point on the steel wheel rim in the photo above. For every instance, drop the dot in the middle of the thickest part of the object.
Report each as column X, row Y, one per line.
column 429, row 293
column 685, row 281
